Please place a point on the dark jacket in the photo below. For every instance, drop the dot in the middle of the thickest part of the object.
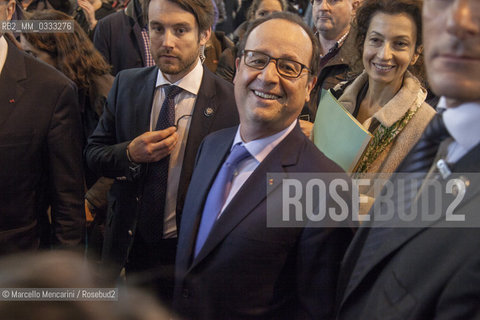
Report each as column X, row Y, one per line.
column 344, row 66
column 41, row 155
column 126, row 116
column 118, row 37
column 426, row 269
column 246, row 269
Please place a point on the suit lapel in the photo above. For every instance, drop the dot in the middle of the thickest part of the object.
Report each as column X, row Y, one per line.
column 396, row 239
column 204, row 112
column 467, row 169
column 143, row 102
column 201, row 181
column 254, row 189
column 404, row 232
column 13, row 73
column 137, row 34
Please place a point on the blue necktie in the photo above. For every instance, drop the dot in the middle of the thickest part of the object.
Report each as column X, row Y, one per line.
column 150, row 223
column 166, row 118
column 218, row 194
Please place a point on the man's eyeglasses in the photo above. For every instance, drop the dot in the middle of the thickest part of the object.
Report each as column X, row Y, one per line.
column 285, row 67
column 185, row 116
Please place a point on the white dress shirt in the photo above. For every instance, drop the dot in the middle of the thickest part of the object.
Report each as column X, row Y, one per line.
column 462, row 123
column 184, row 103
column 259, row 150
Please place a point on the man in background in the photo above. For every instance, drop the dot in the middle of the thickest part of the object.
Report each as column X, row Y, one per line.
column 338, row 55
column 41, row 152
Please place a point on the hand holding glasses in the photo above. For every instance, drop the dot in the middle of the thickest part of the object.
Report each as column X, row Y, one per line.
column 185, row 116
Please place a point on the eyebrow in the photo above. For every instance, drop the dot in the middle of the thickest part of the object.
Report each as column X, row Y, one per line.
column 283, row 56
column 176, row 25
column 402, row 36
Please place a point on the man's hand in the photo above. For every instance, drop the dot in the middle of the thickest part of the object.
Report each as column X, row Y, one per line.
column 89, row 11
column 306, row 127
column 153, row 145
column 89, row 214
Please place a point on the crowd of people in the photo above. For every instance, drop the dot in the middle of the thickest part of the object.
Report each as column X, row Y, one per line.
column 153, row 145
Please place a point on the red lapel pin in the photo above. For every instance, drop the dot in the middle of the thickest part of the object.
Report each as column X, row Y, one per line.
column 12, row 101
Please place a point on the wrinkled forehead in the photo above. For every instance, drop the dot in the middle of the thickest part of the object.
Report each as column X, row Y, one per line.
column 281, row 38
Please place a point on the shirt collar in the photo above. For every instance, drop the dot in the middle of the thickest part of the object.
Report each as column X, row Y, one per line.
column 336, row 46
column 190, row 82
column 462, row 122
column 260, row 148
column 3, row 52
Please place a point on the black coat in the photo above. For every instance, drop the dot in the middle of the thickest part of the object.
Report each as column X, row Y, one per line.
column 126, row 116
column 431, row 271
column 247, row 270
column 118, row 37
column 40, row 154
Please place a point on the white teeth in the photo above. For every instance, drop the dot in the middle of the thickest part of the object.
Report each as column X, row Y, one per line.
column 265, row 95
column 383, row 68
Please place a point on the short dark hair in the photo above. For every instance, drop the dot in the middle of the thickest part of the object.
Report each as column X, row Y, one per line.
column 202, row 10
column 369, row 8
column 256, row 3
column 288, row 16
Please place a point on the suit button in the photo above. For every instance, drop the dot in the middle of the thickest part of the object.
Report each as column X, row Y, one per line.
column 186, row 293
column 138, row 199
column 130, row 232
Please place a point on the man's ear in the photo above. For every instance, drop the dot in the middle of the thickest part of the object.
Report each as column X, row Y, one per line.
column 355, row 5
column 310, row 85
column 204, row 36
column 237, row 62
column 10, row 9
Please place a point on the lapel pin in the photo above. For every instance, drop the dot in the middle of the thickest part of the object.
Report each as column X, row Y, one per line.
column 465, row 180
column 460, row 185
column 443, row 168
column 208, row 112
column 11, row 100
column 270, row 181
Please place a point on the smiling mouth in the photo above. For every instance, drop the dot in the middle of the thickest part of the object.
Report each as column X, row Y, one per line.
column 383, row 67
column 264, row 95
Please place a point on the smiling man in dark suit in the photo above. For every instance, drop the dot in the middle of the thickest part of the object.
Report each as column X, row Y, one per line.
column 230, row 265
column 430, row 268
column 40, row 152
column 147, row 138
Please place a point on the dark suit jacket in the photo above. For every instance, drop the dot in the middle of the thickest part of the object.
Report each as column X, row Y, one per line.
column 429, row 272
column 126, row 116
column 40, row 154
column 246, row 270
column 118, row 37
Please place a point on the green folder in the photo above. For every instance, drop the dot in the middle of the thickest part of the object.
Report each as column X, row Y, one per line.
column 338, row 134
